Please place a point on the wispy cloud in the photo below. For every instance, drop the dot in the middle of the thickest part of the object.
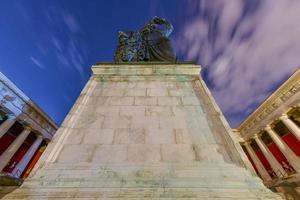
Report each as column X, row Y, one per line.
column 71, row 22
column 56, row 43
column 246, row 48
column 37, row 63
column 68, row 49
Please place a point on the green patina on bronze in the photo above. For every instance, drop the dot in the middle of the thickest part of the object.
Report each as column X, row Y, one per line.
column 151, row 43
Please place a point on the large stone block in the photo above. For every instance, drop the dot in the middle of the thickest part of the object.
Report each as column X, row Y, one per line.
column 145, row 122
column 125, row 84
column 120, row 101
column 158, row 111
column 177, row 153
column 182, row 137
column 160, row 136
column 104, row 84
column 169, row 101
column 150, row 84
column 172, row 122
column 113, row 92
column 144, row 153
column 106, row 110
column 110, row 154
column 116, row 122
column 96, row 100
column 188, row 111
column 88, row 122
column 132, row 111
column 182, row 92
column 76, row 153
column 189, row 100
column 75, row 137
column 135, row 92
column 156, row 92
column 145, row 101
column 98, row 136
column 129, row 136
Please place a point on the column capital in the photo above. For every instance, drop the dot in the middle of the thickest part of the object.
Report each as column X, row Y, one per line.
column 39, row 136
column 27, row 128
column 268, row 128
column 284, row 116
column 7, row 124
column 257, row 135
column 247, row 143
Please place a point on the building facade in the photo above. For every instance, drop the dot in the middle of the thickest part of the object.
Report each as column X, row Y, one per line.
column 25, row 131
column 270, row 137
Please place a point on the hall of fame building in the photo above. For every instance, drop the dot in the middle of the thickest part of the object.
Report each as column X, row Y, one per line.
column 25, row 131
column 270, row 138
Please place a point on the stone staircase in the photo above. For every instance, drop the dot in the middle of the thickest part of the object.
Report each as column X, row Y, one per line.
column 141, row 181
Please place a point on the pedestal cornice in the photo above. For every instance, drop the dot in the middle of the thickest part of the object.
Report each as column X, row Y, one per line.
column 148, row 71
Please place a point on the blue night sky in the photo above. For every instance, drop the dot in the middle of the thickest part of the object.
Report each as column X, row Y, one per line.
column 246, row 47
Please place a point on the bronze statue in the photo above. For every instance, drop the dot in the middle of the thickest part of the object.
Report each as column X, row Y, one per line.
column 151, row 43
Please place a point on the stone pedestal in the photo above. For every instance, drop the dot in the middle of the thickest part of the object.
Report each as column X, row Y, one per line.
column 143, row 131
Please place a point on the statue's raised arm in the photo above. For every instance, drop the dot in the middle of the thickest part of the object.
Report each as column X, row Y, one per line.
column 151, row 43
column 156, row 22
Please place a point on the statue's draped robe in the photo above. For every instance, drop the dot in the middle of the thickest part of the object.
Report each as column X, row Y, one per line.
column 158, row 47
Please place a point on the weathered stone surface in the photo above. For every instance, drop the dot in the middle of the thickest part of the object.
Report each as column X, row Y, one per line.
column 156, row 92
column 110, row 153
column 120, row 101
column 160, row 136
column 143, row 132
column 117, row 122
column 75, row 153
column 144, row 122
column 129, row 136
column 169, row 101
column 144, row 153
column 145, row 101
column 177, row 153
column 98, row 136
column 132, row 111
column 158, row 111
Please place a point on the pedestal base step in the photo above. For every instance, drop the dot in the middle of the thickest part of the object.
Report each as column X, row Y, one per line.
column 184, row 181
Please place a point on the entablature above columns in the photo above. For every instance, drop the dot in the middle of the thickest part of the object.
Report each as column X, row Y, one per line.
column 285, row 98
column 15, row 103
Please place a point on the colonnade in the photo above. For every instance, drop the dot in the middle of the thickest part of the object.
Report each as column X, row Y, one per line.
column 11, row 150
column 279, row 169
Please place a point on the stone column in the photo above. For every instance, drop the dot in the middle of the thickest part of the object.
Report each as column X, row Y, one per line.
column 259, row 166
column 18, row 170
column 5, row 126
column 270, row 157
column 285, row 149
column 13, row 147
column 295, row 130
